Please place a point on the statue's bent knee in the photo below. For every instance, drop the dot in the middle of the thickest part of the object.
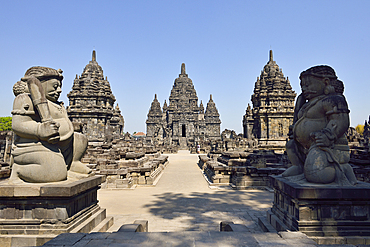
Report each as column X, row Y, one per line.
column 317, row 168
column 40, row 167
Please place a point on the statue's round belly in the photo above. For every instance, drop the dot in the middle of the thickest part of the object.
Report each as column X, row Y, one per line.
column 305, row 127
column 65, row 129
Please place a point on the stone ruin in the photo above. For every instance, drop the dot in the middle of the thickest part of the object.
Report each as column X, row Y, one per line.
column 236, row 161
column 126, row 162
column 360, row 152
column 273, row 108
column 229, row 141
column 6, row 140
column 243, row 170
column 354, row 138
column 234, row 142
column 123, row 160
column 91, row 105
column 182, row 123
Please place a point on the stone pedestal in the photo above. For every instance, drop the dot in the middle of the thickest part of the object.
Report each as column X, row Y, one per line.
column 329, row 214
column 31, row 214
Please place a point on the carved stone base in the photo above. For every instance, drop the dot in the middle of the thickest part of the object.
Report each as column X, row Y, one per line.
column 326, row 213
column 37, row 210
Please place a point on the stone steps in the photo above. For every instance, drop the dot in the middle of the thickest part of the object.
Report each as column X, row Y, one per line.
column 89, row 222
column 127, row 237
column 104, row 225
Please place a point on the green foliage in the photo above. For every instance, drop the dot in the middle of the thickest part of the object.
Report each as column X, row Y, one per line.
column 134, row 133
column 360, row 128
column 5, row 123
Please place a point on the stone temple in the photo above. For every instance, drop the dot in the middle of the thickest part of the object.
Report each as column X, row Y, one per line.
column 273, row 108
column 91, row 104
column 183, row 122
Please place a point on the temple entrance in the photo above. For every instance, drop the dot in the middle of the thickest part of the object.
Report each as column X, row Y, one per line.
column 183, row 130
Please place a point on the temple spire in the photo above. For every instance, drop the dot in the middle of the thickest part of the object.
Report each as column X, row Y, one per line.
column 93, row 55
column 183, row 72
column 271, row 56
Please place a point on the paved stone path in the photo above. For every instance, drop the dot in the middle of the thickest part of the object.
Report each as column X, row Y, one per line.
column 183, row 211
column 183, row 201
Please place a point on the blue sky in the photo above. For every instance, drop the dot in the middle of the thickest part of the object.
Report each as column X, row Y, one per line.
column 224, row 44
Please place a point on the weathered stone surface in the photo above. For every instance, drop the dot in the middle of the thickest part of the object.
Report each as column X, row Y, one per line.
column 242, row 170
column 231, row 142
column 6, row 139
column 91, row 104
column 321, row 210
column 273, row 108
column 133, row 155
column 127, row 162
column 182, row 123
column 45, row 144
column 360, row 152
column 318, row 147
column 39, row 212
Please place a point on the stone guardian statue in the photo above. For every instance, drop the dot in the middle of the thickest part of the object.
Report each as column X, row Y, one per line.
column 318, row 147
column 46, row 147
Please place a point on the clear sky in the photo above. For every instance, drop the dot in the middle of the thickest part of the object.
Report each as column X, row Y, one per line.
column 224, row 44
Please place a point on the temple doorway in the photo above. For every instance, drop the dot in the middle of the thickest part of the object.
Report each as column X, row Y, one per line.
column 183, row 130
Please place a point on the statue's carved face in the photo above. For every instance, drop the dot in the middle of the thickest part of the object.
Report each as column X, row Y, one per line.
column 52, row 89
column 312, row 86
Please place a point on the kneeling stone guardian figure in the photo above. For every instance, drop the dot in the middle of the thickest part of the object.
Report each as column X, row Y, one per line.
column 46, row 148
column 318, row 147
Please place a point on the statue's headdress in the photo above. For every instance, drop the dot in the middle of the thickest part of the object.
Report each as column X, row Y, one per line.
column 325, row 71
column 40, row 73
column 44, row 73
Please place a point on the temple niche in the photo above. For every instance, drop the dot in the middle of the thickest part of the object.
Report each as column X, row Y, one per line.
column 91, row 104
column 273, row 108
column 183, row 122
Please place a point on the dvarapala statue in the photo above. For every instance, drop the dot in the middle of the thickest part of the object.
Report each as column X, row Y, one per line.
column 318, row 147
column 45, row 144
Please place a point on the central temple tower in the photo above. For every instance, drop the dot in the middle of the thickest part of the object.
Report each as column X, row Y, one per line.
column 183, row 120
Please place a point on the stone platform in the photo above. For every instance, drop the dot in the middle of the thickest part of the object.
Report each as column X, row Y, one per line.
column 325, row 213
column 229, row 234
column 185, row 239
column 31, row 214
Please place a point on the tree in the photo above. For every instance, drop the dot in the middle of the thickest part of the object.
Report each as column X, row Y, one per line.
column 360, row 128
column 5, row 123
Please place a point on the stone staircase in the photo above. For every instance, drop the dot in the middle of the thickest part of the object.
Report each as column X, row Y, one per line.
column 137, row 234
column 183, row 144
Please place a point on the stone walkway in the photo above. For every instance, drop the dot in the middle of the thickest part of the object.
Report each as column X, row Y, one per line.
column 183, row 201
column 183, row 211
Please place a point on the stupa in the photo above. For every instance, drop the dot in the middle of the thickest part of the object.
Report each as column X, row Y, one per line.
column 91, row 104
